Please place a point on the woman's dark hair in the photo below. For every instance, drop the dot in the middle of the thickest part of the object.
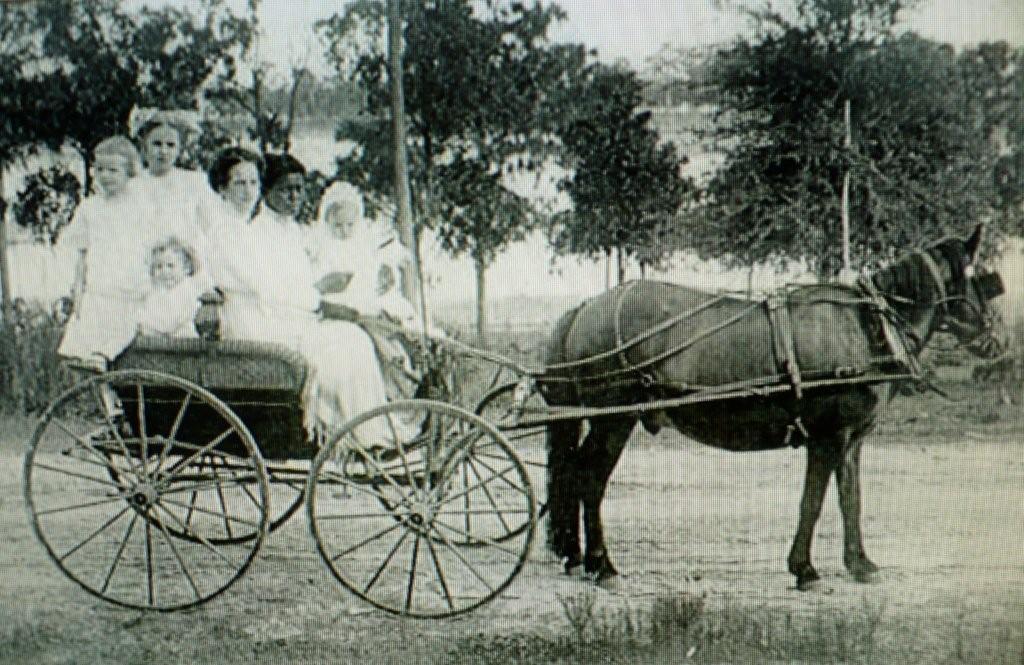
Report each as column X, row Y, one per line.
column 229, row 158
column 279, row 166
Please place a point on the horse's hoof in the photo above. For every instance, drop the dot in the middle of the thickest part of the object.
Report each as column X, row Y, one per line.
column 569, row 565
column 809, row 581
column 611, row 583
column 867, row 576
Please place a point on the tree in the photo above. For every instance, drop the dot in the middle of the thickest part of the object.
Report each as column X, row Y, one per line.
column 78, row 69
column 477, row 82
column 920, row 164
column 625, row 188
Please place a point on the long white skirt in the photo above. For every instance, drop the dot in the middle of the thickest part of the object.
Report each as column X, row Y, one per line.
column 345, row 380
column 103, row 324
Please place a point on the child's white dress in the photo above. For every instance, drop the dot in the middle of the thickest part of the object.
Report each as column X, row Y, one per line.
column 171, row 312
column 180, row 200
column 114, row 235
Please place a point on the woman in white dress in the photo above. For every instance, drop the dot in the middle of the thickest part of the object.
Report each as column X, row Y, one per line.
column 271, row 294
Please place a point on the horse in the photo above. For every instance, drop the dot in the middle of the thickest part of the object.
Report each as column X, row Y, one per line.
column 645, row 341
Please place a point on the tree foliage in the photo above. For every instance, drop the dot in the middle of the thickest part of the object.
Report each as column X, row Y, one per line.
column 478, row 81
column 46, row 202
column 626, row 188
column 921, row 162
column 72, row 71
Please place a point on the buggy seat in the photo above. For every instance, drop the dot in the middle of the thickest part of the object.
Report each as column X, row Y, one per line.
column 260, row 382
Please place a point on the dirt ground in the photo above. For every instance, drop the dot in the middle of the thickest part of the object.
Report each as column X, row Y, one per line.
column 943, row 516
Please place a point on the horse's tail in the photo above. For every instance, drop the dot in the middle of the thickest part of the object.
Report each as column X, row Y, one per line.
column 562, row 441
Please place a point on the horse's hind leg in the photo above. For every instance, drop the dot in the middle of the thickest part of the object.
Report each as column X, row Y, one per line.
column 597, row 458
column 563, row 493
column 821, row 461
column 848, row 480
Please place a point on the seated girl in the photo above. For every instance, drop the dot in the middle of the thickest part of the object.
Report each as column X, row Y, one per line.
column 170, row 307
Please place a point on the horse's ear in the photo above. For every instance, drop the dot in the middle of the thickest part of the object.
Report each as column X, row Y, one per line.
column 973, row 244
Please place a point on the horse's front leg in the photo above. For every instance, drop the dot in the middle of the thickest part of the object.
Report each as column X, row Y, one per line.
column 597, row 459
column 821, row 461
column 563, row 493
column 848, row 480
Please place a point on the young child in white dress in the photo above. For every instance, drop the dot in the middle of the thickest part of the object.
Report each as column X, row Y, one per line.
column 170, row 307
column 109, row 232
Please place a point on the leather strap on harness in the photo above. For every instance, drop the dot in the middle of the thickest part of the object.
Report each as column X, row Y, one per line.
column 781, row 325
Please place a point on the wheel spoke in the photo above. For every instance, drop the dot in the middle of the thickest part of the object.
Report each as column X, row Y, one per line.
column 412, row 573
column 79, row 506
column 223, row 503
column 455, row 550
column 149, row 564
column 117, row 555
column 181, row 562
column 92, row 535
column 94, row 388
column 184, row 462
column 487, row 492
column 365, row 541
column 75, row 474
column 479, row 539
column 440, row 575
column 84, row 443
column 491, row 478
column 202, row 540
column 141, row 404
column 502, row 475
column 179, row 417
column 208, row 485
column 197, row 509
column 387, row 560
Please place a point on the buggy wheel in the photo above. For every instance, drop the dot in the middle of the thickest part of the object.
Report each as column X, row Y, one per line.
column 131, row 480
column 503, row 408
column 401, row 529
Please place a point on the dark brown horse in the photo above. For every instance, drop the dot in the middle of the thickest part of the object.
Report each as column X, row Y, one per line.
column 769, row 371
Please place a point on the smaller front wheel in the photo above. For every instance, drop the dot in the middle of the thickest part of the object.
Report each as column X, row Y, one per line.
column 422, row 509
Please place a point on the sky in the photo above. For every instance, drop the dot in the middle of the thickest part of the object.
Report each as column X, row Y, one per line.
column 635, row 29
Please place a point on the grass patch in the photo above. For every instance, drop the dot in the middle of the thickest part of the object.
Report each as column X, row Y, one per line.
column 681, row 629
column 30, row 372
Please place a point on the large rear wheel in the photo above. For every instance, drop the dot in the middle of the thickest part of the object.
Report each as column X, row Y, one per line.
column 137, row 481
column 399, row 524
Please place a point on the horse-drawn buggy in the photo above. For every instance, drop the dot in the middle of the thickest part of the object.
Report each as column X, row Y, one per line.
column 164, row 502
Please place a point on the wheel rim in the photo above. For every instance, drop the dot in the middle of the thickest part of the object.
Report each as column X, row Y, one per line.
column 395, row 535
column 137, row 511
column 499, row 408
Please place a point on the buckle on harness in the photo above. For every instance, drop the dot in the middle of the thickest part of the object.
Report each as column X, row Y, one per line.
column 796, row 426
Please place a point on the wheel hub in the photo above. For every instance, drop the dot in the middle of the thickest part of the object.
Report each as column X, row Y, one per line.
column 143, row 496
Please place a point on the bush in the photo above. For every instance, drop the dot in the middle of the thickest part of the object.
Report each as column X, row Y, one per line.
column 30, row 374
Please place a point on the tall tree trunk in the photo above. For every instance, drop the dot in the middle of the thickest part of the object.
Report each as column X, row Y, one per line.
column 481, row 300
column 620, row 263
column 5, row 273
column 406, row 233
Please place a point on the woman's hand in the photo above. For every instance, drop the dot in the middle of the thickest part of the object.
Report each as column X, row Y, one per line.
column 338, row 312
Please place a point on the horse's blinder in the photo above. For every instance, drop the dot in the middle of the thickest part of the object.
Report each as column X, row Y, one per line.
column 981, row 321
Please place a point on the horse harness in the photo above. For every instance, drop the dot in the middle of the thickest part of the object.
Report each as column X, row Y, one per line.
column 890, row 333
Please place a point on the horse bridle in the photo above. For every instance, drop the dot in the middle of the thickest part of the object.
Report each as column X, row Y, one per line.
column 985, row 286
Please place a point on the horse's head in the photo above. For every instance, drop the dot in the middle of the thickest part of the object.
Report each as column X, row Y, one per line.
column 939, row 287
column 964, row 310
